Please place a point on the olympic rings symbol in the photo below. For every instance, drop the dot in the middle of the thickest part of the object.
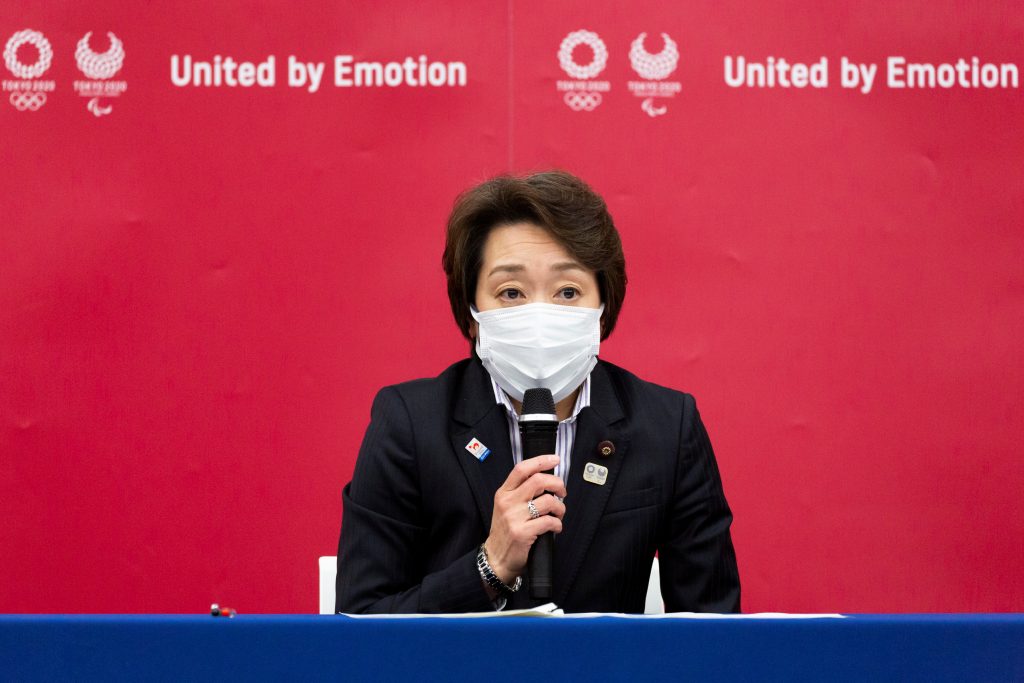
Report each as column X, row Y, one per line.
column 582, row 101
column 28, row 101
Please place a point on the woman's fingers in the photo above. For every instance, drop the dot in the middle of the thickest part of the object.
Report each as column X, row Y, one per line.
column 541, row 525
column 513, row 527
column 526, row 469
column 539, row 483
column 549, row 505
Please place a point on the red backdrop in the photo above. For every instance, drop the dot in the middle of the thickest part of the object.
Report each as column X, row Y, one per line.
column 201, row 288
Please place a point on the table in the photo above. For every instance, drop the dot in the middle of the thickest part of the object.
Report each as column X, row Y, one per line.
column 955, row 647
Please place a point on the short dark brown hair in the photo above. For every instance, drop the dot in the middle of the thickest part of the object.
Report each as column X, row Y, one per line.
column 559, row 202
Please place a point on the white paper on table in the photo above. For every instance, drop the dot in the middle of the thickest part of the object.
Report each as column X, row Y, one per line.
column 548, row 610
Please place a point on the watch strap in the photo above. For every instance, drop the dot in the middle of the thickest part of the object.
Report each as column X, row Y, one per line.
column 491, row 579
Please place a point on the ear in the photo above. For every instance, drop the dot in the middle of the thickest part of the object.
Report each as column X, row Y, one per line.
column 473, row 329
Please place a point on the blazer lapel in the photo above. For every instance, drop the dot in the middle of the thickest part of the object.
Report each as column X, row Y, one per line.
column 478, row 416
column 603, row 420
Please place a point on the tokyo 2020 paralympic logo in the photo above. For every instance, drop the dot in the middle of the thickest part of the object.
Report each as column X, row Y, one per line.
column 99, row 68
column 97, row 65
column 654, row 69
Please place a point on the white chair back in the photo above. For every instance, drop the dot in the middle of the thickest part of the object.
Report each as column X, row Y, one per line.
column 328, row 571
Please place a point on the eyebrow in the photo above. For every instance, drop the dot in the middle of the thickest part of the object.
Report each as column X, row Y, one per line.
column 519, row 267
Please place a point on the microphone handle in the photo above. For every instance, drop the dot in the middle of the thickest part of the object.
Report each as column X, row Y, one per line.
column 539, row 439
column 540, row 566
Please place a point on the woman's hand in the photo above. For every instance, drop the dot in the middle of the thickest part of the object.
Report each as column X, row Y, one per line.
column 513, row 531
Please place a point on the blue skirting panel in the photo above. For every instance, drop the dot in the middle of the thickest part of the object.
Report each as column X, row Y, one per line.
column 857, row 648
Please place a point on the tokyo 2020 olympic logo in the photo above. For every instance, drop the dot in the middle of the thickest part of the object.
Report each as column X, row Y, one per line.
column 28, row 93
column 582, row 93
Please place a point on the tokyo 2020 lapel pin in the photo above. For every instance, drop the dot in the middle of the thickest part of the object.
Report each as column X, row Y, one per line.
column 595, row 474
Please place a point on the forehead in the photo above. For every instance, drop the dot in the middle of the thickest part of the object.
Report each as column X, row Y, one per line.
column 523, row 243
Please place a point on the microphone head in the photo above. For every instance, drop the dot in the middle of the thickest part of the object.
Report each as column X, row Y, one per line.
column 538, row 402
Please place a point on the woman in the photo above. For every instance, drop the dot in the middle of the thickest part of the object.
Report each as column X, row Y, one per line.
column 442, row 510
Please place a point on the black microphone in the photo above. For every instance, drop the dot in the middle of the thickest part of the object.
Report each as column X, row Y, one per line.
column 538, row 429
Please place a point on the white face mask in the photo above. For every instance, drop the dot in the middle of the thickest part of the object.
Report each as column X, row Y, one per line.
column 539, row 346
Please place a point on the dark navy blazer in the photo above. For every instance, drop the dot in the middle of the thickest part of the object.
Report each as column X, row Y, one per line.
column 419, row 504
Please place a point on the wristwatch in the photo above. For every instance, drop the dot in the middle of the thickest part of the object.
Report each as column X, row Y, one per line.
column 491, row 579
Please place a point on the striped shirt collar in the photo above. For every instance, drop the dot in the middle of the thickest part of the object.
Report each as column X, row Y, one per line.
column 582, row 401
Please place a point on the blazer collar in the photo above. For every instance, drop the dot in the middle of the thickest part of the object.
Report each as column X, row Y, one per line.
column 604, row 421
column 476, row 415
column 475, row 397
column 604, row 399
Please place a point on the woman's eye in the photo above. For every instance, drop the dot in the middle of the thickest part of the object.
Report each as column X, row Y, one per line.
column 568, row 293
column 510, row 294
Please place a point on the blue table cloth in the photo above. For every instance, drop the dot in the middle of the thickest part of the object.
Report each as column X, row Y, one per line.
column 521, row 649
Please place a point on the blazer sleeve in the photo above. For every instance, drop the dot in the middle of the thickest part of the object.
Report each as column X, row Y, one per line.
column 697, row 559
column 382, row 546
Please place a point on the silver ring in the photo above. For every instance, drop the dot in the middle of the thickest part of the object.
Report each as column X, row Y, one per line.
column 534, row 512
